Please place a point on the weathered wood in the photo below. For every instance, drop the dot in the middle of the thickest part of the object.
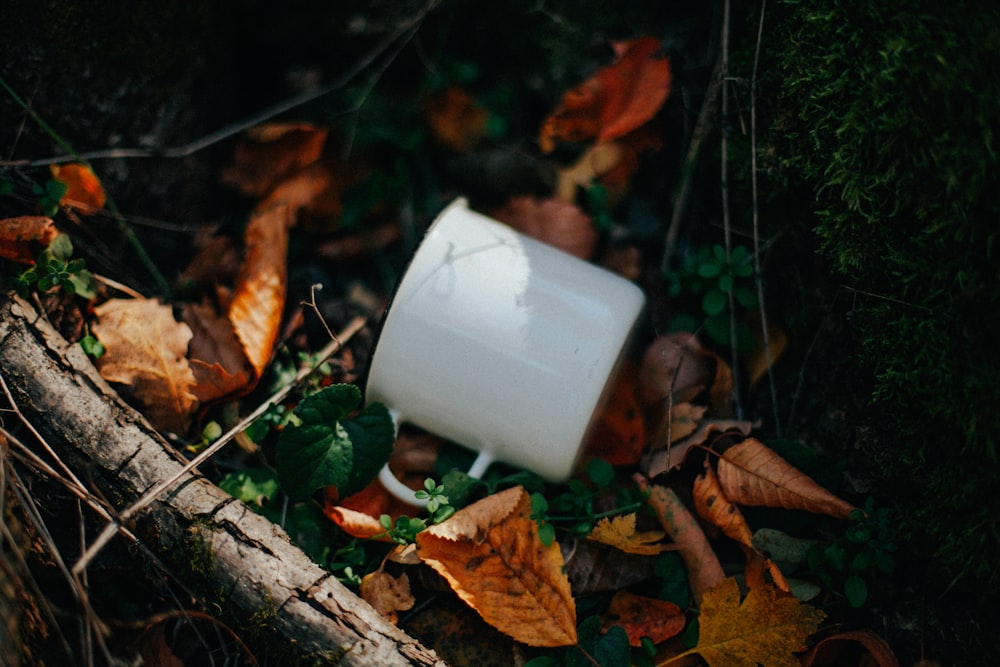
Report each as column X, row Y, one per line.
column 247, row 563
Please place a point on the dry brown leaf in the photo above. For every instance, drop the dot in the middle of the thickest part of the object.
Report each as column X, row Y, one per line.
column 877, row 650
column 766, row 628
column 620, row 533
column 146, row 350
column 18, row 235
column 593, row 164
column 703, row 567
column 762, row 571
column 594, row 567
column 258, row 300
column 666, row 459
column 455, row 119
column 713, row 506
column 557, row 223
column 752, row 474
column 617, row 434
column 491, row 555
column 618, row 99
column 675, row 364
column 386, row 593
column 755, row 360
column 220, row 367
column 84, row 192
column 270, row 153
column 641, row 616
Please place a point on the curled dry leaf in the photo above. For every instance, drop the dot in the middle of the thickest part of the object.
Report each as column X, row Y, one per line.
column 146, row 350
column 829, row 649
column 558, row 223
column 84, row 192
column 491, row 555
column 641, row 617
column 666, row 458
column 618, row 99
column 620, row 533
column 17, row 236
column 750, row 473
column 703, row 566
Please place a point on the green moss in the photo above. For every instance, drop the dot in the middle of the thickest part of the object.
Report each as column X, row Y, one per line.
column 886, row 113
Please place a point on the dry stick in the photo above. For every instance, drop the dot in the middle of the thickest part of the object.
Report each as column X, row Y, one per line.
column 758, row 277
column 150, row 496
column 403, row 32
column 726, row 222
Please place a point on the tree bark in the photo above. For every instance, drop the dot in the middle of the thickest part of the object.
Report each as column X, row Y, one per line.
column 246, row 563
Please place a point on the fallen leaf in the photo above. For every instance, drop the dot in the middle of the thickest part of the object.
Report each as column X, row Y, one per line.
column 877, row 652
column 618, row 99
column 146, row 350
column 455, row 119
column 676, row 365
column 664, row 459
column 713, row 506
column 18, row 236
column 220, row 367
column 492, row 557
column 594, row 567
column 620, row 533
column 560, row 224
column 84, row 192
column 641, row 616
column 460, row 637
column 703, row 567
column 270, row 153
column 386, row 593
column 258, row 300
column 596, row 162
column 752, row 474
column 617, row 434
column 762, row 571
column 755, row 360
column 766, row 628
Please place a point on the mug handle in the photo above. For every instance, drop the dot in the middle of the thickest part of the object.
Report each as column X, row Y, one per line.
column 401, row 491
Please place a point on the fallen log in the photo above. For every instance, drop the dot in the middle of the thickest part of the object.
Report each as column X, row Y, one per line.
column 210, row 540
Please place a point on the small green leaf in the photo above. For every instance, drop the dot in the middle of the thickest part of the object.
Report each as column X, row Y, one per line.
column 547, row 534
column 252, row 486
column 709, row 270
column 92, row 347
column 324, row 448
column 856, row 590
column 714, row 302
column 600, row 472
column 61, row 247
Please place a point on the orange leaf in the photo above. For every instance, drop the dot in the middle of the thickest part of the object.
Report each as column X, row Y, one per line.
column 618, row 432
column 268, row 154
column 146, row 349
column 84, row 191
column 713, row 506
column 703, row 567
column 220, row 367
column 616, row 100
column 766, row 628
column 455, row 119
column 18, row 234
column 619, row 532
column 752, row 474
column 490, row 554
column 386, row 593
column 259, row 298
column 644, row 617
column 558, row 223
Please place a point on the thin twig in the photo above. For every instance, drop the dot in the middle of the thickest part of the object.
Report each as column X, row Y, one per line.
column 758, row 273
column 150, row 496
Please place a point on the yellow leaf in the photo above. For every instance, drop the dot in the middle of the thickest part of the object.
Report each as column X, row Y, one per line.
column 619, row 532
column 767, row 628
column 491, row 556
column 147, row 351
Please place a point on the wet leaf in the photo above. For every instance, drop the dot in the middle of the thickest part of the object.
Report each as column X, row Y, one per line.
column 752, row 474
column 84, row 192
column 146, row 350
column 618, row 99
column 644, row 617
column 620, row 533
column 491, row 555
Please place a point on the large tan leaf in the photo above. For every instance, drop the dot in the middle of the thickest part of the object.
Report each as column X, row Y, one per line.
column 703, row 567
column 490, row 554
column 767, row 628
column 752, row 474
column 147, row 352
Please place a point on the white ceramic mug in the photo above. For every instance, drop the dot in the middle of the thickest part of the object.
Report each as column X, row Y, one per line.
column 500, row 343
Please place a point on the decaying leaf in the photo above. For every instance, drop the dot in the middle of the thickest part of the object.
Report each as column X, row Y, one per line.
column 703, row 566
column 17, row 235
column 490, row 554
column 713, row 506
column 618, row 432
column 456, row 119
column 595, row 567
column 620, row 533
column 270, row 153
column 676, row 365
column 220, row 367
column 558, row 223
column 642, row 616
column 752, row 474
column 767, row 628
column 84, row 192
column 146, row 350
column 386, row 593
column 664, row 459
column 617, row 100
